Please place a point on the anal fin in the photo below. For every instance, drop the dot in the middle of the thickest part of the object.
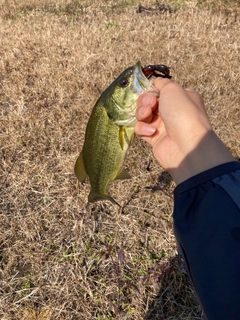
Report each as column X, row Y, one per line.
column 123, row 174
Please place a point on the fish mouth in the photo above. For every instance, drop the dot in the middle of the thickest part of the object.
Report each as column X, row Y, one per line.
column 140, row 85
column 139, row 69
column 141, row 82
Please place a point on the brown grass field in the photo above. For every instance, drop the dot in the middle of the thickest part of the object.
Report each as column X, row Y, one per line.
column 61, row 258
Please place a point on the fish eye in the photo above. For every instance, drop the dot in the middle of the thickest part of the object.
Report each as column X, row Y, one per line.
column 124, row 83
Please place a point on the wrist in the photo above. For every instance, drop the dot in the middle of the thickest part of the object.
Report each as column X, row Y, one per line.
column 209, row 152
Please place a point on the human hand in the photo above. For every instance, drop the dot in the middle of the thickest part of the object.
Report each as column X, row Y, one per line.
column 177, row 127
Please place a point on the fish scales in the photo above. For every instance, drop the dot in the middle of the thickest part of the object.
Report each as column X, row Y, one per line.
column 110, row 132
column 100, row 142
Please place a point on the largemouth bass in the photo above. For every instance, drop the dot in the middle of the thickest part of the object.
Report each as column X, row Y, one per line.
column 110, row 132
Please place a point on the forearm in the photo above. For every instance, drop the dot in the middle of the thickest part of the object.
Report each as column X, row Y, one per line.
column 207, row 228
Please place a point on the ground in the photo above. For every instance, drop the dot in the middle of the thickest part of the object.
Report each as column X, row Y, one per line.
column 61, row 258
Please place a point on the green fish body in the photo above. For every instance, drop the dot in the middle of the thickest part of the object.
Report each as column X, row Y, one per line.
column 110, row 132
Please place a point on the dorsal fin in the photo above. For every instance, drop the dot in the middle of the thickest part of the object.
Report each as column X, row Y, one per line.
column 79, row 168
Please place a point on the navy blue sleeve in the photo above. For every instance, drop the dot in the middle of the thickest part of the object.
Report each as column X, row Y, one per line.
column 207, row 228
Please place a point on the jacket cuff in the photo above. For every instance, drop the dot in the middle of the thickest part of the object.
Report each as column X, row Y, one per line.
column 206, row 176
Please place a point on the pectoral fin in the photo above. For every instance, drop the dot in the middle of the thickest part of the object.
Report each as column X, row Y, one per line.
column 79, row 168
column 132, row 139
column 124, row 137
column 121, row 136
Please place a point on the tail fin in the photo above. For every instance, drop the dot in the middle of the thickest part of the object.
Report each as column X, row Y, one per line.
column 94, row 196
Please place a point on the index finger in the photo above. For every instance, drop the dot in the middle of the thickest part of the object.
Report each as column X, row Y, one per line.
column 159, row 83
column 147, row 100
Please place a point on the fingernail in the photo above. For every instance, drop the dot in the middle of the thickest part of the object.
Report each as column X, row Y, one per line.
column 148, row 129
column 147, row 99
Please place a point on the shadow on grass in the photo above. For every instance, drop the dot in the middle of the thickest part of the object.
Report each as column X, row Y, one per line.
column 176, row 297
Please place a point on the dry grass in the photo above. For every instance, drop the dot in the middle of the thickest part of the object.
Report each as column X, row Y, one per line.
column 59, row 257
